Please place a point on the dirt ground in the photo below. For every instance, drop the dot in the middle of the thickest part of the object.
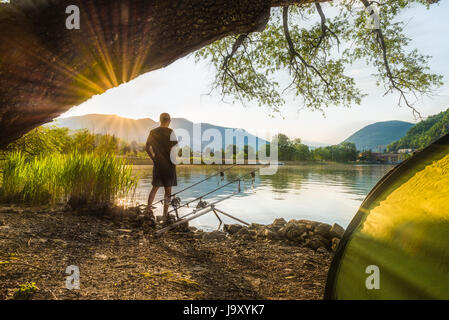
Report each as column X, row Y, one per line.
column 123, row 262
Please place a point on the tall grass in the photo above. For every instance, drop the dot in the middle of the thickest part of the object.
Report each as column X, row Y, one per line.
column 88, row 179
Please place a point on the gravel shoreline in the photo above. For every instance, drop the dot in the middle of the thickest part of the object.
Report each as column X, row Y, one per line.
column 123, row 259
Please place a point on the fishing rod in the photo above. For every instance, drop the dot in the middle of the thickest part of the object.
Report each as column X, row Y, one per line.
column 200, row 212
column 202, row 203
column 197, row 183
column 204, row 208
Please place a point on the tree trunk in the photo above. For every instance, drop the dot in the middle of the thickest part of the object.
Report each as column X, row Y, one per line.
column 45, row 69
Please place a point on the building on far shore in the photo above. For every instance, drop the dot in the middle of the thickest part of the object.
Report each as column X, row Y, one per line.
column 389, row 157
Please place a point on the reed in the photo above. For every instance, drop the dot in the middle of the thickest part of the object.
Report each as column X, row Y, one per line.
column 86, row 178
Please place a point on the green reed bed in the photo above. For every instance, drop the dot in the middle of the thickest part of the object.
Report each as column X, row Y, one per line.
column 85, row 178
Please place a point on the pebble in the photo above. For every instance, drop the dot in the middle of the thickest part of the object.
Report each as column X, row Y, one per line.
column 100, row 256
column 321, row 237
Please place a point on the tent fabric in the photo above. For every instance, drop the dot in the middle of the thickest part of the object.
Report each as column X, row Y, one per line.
column 402, row 227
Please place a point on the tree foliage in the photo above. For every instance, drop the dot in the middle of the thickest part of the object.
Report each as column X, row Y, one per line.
column 343, row 152
column 304, row 52
column 294, row 150
column 291, row 150
column 424, row 133
column 51, row 140
column 42, row 140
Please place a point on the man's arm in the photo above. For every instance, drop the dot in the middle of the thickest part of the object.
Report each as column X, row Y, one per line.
column 149, row 148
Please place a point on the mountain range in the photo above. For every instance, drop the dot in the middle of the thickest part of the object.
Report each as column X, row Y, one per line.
column 123, row 128
column 377, row 136
column 138, row 130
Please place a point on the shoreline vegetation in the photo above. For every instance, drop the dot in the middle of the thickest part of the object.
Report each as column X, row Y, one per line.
column 79, row 179
column 148, row 162
column 50, row 140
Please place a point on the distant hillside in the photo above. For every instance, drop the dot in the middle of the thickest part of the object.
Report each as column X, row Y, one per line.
column 138, row 130
column 424, row 133
column 123, row 128
column 194, row 128
column 379, row 135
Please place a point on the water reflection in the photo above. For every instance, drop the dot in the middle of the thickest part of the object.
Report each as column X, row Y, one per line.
column 327, row 193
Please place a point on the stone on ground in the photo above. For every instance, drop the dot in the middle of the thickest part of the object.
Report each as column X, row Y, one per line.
column 336, row 231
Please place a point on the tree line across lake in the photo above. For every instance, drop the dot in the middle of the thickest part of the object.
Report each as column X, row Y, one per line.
column 48, row 140
column 294, row 150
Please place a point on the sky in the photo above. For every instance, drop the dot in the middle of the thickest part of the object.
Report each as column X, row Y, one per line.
column 182, row 90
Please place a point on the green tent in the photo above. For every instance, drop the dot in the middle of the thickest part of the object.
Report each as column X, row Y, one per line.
column 397, row 245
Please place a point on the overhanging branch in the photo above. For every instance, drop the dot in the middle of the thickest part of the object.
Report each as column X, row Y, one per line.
column 293, row 52
column 225, row 67
column 286, row 3
column 324, row 27
column 392, row 79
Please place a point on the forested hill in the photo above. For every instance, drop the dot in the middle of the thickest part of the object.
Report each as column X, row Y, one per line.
column 378, row 135
column 424, row 133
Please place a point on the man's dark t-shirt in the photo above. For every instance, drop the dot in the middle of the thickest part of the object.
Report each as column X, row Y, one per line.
column 164, row 171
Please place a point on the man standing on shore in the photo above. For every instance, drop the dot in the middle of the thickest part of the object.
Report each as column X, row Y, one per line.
column 159, row 144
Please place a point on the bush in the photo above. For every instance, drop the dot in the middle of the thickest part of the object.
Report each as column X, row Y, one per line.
column 86, row 177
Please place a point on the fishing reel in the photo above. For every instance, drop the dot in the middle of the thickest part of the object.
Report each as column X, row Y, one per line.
column 175, row 202
column 201, row 204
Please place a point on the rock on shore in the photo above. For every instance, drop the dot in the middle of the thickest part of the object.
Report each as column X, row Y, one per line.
column 305, row 233
column 315, row 235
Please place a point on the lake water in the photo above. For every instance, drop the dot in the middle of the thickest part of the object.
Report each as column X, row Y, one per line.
column 330, row 193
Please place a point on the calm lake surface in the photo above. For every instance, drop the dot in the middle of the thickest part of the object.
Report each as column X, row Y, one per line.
column 330, row 193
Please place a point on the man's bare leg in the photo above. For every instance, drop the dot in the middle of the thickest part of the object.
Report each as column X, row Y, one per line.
column 151, row 198
column 167, row 198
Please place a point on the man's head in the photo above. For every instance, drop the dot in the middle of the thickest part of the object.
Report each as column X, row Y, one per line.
column 165, row 119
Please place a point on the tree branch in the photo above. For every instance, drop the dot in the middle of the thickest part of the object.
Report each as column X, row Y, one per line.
column 286, row 3
column 293, row 52
column 225, row 67
column 235, row 47
column 324, row 27
column 391, row 78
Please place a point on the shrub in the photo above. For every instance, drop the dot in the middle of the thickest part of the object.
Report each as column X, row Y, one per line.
column 86, row 177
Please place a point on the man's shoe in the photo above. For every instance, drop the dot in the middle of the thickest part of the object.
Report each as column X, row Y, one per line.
column 149, row 217
column 166, row 221
column 149, row 212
